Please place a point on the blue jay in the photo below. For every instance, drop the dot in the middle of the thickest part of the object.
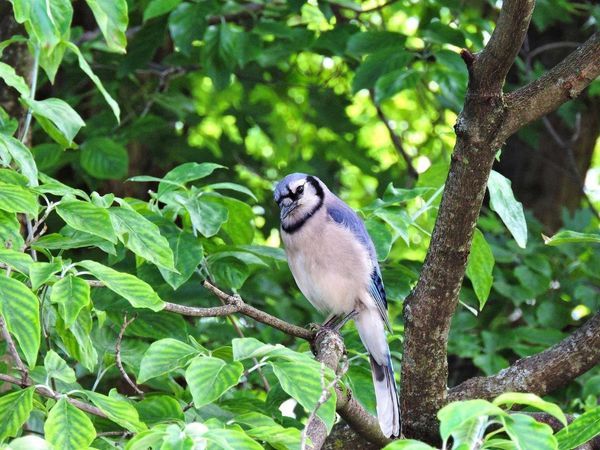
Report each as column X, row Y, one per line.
column 334, row 263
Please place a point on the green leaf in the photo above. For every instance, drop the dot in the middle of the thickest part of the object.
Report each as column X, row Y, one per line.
column 87, row 217
column 231, row 440
column 572, row 237
column 21, row 311
column 187, row 172
column 10, row 231
column 232, row 187
column 480, row 266
column 583, row 429
column 391, row 83
column 377, row 65
column 71, row 294
column 188, row 253
column 142, row 237
column 302, row 380
column 187, row 23
column 209, row 378
column 373, row 41
column 457, row 414
column 139, row 293
column 206, row 215
column 46, row 22
column 83, row 65
column 502, row 200
column 17, row 260
column 70, row 239
column 381, row 235
column 56, row 367
column 77, row 341
column 57, row 118
column 68, row 428
column 164, row 356
column 104, row 159
column 159, row 408
column 14, row 198
column 443, row 34
column 117, row 410
column 528, row 434
column 112, row 19
column 41, row 272
column 159, row 7
column 12, row 79
column 14, row 411
column 521, row 398
column 408, row 444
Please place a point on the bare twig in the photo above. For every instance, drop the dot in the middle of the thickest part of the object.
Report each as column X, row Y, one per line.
column 12, row 349
column 235, row 304
column 397, row 141
column 134, row 386
column 45, row 391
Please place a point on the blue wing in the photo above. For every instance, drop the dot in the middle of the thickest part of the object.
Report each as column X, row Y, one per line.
column 345, row 216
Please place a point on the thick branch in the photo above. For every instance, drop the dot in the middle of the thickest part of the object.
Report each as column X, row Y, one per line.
column 49, row 393
column 564, row 82
column 428, row 310
column 329, row 348
column 541, row 373
column 235, row 304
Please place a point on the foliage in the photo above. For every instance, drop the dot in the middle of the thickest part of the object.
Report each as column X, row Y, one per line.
column 204, row 104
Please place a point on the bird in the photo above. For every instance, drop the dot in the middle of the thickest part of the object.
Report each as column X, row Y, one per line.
column 333, row 261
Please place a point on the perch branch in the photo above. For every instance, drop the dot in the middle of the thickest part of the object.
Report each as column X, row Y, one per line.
column 541, row 373
column 429, row 308
column 235, row 304
column 134, row 386
column 49, row 393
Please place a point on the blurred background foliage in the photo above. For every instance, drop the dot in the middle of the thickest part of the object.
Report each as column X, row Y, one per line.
column 362, row 95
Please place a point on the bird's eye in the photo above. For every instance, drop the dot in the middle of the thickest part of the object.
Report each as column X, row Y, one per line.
column 300, row 190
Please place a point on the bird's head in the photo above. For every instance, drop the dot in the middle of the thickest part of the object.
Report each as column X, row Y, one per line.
column 298, row 196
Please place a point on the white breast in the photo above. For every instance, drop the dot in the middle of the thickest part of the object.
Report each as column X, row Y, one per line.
column 331, row 268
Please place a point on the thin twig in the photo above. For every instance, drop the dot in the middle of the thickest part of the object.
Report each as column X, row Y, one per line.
column 12, row 349
column 123, row 434
column 397, row 141
column 126, row 323
column 45, row 391
column 551, row 46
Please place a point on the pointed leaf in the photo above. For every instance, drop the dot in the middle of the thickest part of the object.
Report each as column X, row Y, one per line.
column 117, row 410
column 12, row 79
column 139, row 293
column 480, row 266
column 112, row 19
column 20, row 309
column 17, row 260
column 68, row 428
column 14, row 198
column 41, row 272
column 231, row 440
column 522, row 398
column 57, row 118
column 22, row 156
column 456, row 414
column 502, row 200
column 188, row 253
column 104, row 158
column 583, row 429
column 209, row 378
column 87, row 217
column 56, row 367
column 187, row 172
column 572, row 237
column 71, row 294
column 528, row 434
column 14, row 411
column 142, row 237
column 163, row 357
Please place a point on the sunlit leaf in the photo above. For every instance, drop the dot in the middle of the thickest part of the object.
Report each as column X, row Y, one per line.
column 209, row 378
column 502, row 200
column 112, row 18
column 480, row 266
column 68, row 428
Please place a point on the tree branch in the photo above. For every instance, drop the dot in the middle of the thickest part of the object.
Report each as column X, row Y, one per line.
column 429, row 308
column 235, row 304
column 541, row 373
column 562, row 83
column 12, row 349
column 49, row 393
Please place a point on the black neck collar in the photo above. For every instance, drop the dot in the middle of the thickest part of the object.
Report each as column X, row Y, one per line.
column 293, row 227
